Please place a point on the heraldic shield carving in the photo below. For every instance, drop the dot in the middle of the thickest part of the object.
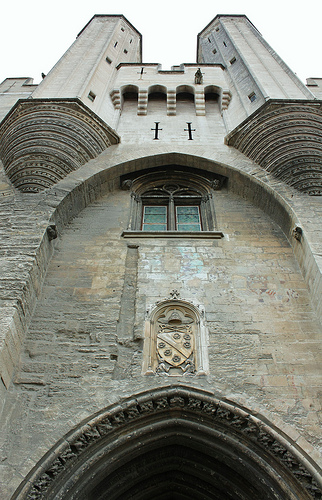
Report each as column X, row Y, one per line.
column 175, row 340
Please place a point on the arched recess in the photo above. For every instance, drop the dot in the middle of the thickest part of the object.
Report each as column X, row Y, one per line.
column 157, row 98
column 212, row 96
column 175, row 442
column 71, row 195
column 185, row 97
column 129, row 98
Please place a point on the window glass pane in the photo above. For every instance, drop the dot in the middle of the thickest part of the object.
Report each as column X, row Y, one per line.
column 189, row 227
column 154, row 218
column 154, row 227
column 155, row 210
column 188, row 218
column 188, row 210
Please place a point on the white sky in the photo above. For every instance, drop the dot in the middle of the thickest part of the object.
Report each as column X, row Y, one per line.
column 35, row 34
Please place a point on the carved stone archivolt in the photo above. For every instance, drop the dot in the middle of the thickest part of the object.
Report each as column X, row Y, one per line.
column 129, row 446
column 43, row 140
column 285, row 138
column 175, row 339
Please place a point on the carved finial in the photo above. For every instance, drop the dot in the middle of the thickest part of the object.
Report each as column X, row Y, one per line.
column 52, row 232
column 175, row 294
column 297, row 233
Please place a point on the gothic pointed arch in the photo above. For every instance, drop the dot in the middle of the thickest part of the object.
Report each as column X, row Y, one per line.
column 177, row 440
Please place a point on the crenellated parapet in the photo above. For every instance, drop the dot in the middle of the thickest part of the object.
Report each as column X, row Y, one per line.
column 285, row 138
column 43, row 140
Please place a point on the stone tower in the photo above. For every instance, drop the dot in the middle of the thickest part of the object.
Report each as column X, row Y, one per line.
column 160, row 300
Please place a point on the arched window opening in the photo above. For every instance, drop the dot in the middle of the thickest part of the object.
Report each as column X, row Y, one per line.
column 169, row 200
column 173, row 207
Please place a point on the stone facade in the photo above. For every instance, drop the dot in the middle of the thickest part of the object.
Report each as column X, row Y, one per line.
column 134, row 361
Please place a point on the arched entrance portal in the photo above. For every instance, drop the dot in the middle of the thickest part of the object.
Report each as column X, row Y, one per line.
column 171, row 443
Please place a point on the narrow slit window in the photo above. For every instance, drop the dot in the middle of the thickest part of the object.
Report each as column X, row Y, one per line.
column 209, row 40
column 225, row 44
column 115, row 44
column 91, row 96
column 108, row 60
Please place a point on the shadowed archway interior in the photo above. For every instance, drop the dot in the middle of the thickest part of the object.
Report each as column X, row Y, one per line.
column 171, row 443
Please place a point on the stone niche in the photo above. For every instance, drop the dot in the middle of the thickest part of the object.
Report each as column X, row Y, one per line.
column 175, row 340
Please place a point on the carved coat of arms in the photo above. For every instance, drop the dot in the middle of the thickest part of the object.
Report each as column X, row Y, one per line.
column 175, row 341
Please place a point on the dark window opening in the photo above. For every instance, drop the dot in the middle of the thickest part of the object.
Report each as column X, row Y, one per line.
column 185, row 97
column 125, row 51
column 107, row 59
column 214, row 51
column 233, row 60
column 115, row 44
column 157, row 96
column 209, row 40
column 91, row 96
column 225, row 44
column 252, row 97
column 130, row 96
column 211, row 97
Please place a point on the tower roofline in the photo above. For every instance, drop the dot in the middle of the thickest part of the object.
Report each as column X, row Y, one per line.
column 110, row 15
column 218, row 16
column 226, row 15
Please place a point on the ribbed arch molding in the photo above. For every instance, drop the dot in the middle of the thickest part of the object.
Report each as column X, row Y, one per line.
column 285, row 138
column 43, row 140
column 173, row 442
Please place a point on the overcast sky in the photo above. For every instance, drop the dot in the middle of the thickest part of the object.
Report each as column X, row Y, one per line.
column 34, row 34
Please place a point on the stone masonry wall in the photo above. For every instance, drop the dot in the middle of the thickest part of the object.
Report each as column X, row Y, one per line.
column 263, row 333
